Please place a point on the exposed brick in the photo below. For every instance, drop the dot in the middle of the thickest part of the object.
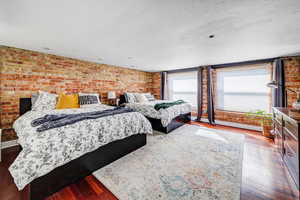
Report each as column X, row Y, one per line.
column 25, row 72
column 292, row 76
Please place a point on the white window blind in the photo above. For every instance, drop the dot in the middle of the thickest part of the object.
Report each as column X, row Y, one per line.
column 244, row 89
column 183, row 85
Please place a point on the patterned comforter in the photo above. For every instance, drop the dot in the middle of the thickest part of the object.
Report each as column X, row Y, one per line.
column 166, row 115
column 44, row 151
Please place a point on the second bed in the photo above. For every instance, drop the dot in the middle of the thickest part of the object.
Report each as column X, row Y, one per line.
column 163, row 120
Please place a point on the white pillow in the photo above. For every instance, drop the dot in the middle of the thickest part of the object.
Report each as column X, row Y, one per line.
column 34, row 97
column 44, row 101
column 141, row 98
column 130, row 97
column 149, row 96
column 87, row 100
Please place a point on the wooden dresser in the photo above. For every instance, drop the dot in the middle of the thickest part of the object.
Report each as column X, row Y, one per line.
column 286, row 132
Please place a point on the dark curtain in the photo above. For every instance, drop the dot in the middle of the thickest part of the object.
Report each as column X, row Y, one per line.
column 199, row 93
column 210, row 102
column 163, row 80
column 279, row 92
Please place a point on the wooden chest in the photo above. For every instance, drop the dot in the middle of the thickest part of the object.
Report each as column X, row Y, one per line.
column 286, row 132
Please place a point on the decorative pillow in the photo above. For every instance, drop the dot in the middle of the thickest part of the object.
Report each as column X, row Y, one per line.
column 130, row 97
column 67, row 101
column 34, row 97
column 141, row 98
column 88, row 99
column 150, row 97
column 45, row 101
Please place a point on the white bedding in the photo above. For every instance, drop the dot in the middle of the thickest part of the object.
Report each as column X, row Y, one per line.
column 44, row 151
column 166, row 115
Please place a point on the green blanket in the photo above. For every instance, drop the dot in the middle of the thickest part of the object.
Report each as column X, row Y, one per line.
column 167, row 105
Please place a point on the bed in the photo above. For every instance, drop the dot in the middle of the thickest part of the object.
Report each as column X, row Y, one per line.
column 77, row 168
column 175, row 116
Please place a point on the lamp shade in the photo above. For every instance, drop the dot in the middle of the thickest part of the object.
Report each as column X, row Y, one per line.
column 111, row 95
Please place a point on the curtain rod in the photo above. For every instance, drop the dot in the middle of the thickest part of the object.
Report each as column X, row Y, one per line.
column 225, row 65
column 251, row 62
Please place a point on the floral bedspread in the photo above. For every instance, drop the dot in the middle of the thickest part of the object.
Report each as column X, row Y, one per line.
column 45, row 151
column 166, row 115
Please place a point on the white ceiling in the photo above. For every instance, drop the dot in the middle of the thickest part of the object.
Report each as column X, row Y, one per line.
column 154, row 35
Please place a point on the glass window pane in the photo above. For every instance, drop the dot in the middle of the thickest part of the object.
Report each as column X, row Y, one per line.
column 183, row 86
column 243, row 89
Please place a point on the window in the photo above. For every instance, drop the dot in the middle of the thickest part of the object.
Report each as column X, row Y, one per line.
column 244, row 89
column 183, row 85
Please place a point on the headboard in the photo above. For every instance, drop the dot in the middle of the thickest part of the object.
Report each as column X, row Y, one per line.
column 122, row 99
column 25, row 105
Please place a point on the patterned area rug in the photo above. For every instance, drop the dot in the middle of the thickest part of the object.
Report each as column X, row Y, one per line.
column 190, row 163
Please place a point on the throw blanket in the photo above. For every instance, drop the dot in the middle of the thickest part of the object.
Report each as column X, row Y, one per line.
column 167, row 105
column 54, row 121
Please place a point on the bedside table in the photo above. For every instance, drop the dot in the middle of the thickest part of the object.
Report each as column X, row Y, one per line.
column 113, row 102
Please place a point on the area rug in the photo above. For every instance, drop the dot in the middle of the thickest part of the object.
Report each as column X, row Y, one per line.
column 190, row 163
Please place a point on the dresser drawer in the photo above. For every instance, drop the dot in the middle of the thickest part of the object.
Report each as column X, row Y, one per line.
column 279, row 142
column 277, row 117
column 286, row 131
column 277, row 127
column 291, row 126
column 291, row 160
column 290, row 140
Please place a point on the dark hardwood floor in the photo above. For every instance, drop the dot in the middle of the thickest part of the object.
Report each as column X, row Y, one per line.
column 264, row 177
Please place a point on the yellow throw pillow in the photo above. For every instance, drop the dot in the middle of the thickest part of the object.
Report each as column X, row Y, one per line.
column 67, row 101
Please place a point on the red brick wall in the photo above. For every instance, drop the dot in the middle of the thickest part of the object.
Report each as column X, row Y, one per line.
column 292, row 77
column 25, row 72
column 156, row 84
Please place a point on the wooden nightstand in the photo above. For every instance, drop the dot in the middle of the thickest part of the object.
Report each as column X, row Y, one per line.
column 287, row 131
column 113, row 102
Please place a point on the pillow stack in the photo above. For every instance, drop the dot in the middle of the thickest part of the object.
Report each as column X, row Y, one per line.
column 47, row 101
column 138, row 97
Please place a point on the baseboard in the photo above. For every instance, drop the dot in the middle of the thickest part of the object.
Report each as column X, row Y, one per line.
column 8, row 144
column 234, row 124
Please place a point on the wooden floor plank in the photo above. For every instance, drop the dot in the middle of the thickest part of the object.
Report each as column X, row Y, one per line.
column 264, row 176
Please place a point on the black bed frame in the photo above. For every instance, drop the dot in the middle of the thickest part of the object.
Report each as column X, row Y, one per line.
column 156, row 123
column 80, row 167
